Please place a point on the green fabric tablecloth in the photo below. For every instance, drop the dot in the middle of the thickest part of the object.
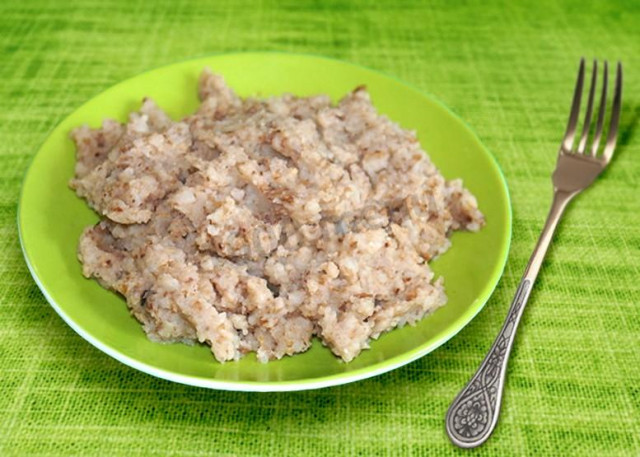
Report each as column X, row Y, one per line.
column 507, row 69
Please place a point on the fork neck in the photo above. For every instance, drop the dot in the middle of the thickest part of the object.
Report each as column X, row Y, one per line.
column 560, row 201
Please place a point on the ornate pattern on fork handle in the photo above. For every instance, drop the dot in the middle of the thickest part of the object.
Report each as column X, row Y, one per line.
column 474, row 413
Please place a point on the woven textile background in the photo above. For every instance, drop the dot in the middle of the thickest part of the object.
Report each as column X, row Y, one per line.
column 507, row 69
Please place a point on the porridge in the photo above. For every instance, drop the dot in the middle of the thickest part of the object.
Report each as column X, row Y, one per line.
column 254, row 225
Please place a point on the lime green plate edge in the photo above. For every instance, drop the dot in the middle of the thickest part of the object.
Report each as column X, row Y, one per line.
column 316, row 383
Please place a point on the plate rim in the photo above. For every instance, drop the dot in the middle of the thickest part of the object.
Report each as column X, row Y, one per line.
column 304, row 384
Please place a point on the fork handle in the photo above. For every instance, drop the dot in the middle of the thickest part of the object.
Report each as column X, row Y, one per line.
column 473, row 415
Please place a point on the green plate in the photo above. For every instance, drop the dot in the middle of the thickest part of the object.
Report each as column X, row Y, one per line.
column 51, row 219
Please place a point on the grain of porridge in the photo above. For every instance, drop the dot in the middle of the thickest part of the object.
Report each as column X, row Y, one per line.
column 257, row 224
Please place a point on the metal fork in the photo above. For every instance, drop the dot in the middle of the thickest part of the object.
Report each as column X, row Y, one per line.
column 473, row 415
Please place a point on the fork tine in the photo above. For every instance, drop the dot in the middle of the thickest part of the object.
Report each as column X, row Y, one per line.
column 587, row 117
column 601, row 110
column 615, row 117
column 567, row 142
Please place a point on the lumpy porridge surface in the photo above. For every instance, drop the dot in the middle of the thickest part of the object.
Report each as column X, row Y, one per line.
column 257, row 224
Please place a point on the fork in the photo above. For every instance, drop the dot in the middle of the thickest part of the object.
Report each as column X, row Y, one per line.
column 473, row 415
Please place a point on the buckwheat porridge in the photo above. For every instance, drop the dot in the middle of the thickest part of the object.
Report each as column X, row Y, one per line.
column 257, row 224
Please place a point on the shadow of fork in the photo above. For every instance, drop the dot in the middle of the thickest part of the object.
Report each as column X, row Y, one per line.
column 628, row 126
